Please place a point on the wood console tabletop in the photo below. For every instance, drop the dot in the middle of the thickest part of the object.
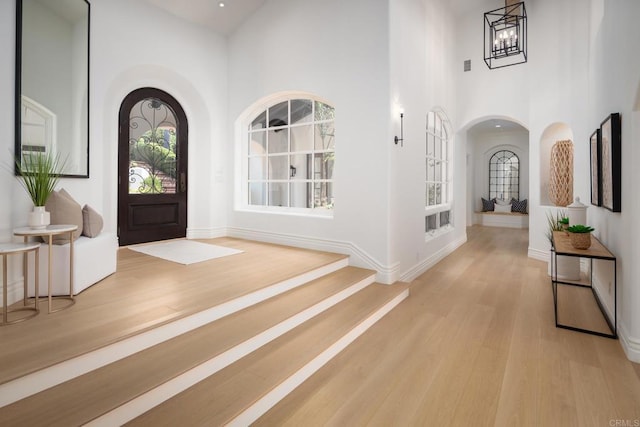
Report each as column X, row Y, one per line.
column 562, row 245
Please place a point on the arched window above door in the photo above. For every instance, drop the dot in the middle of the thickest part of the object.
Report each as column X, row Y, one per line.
column 504, row 175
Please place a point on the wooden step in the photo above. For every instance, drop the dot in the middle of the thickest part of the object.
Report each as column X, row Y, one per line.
column 220, row 343
column 125, row 314
column 243, row 391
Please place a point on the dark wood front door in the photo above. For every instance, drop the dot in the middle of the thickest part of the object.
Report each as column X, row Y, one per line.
column 152, row 168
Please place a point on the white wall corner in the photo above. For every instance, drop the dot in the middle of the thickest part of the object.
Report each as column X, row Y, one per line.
column 206, row 233
column 357, row 257
column 426, row 264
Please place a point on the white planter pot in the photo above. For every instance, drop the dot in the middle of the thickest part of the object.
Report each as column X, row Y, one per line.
column 39, row 218
column 568, row 267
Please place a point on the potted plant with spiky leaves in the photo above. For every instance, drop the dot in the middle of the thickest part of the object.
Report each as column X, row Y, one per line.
column 39, row 174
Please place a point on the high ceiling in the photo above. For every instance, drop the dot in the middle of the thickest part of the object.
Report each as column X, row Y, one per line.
column 496, row 125
column 208, row 13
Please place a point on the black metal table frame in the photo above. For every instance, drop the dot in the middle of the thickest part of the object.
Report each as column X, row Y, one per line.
column 613, row 326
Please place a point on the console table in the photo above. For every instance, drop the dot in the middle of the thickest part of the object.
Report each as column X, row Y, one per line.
column 7, row 249
column 48, row 233
column 562, row 247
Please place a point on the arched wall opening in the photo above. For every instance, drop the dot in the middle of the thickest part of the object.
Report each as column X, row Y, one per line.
column 553, row 133
column 484, row 138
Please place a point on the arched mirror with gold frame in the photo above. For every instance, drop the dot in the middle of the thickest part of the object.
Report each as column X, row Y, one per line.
column 52, row 81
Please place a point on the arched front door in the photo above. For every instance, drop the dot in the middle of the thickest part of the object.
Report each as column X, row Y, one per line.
column 152, row 168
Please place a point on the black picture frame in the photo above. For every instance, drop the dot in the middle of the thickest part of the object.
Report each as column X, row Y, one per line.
column 595, row 144
column 611, row 162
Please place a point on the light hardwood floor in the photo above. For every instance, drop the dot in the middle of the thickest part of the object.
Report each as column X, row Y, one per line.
column 474, row 344
column 146, row 292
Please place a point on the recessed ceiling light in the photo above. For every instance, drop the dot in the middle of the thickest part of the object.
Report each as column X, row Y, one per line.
column 221, row 4
column 498, row 126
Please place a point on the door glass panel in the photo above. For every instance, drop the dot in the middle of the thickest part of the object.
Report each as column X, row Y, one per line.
column 152, row 148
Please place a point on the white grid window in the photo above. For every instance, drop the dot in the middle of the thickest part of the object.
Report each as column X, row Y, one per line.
column 291, row 156
column 438, row 174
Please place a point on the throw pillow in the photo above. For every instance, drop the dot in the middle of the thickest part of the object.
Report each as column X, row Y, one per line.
column 503, row 208
column 487, row 205
column 502, row 202
column 519, row 206
column 64, row 210
column 92, row 222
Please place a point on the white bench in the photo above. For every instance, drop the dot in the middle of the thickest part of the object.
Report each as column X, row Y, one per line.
column 502, row 219
column 94, row 259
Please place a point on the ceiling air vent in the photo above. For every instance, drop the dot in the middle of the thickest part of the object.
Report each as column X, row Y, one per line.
column 467, row 65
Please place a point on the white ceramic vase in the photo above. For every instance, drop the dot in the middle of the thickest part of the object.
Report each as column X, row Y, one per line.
column 39, row 218
column 568, row 267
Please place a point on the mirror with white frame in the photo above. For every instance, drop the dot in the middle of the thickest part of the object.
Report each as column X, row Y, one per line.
column 52, row 82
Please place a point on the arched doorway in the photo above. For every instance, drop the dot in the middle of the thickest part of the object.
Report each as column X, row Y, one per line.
column 152, row 167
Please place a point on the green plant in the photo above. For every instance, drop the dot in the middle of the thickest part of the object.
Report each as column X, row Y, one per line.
column 39, row 175
column 579, row 228
column 564, row 221
column 554, row 222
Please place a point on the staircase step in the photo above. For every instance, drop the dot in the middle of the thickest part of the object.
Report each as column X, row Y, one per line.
column 243, row 391
column 220, row 343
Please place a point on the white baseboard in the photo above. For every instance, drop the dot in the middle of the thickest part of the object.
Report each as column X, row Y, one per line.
column 206, row 233
column 426, row 264
column 538, row 254
column 359, row 258
column 630, row 345
column 15, row 291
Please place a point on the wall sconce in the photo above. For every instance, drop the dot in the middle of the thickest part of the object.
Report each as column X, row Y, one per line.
column 292, row 170
column 401, row 139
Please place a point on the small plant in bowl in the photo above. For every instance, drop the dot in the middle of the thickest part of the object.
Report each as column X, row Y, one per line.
column 564, row 222
column 580, row 236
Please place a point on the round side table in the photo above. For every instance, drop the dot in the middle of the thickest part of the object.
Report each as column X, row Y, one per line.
column 7, row 249
column 48, row 233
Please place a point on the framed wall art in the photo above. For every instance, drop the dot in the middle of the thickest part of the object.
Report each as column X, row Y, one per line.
column 611, row 161
column 596, row 168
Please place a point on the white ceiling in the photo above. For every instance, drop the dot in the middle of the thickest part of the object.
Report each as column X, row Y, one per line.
column 496, row 125
column 222, row 20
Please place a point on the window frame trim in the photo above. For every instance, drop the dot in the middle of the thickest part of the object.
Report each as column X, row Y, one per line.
column 448, row 160
column 242, row 126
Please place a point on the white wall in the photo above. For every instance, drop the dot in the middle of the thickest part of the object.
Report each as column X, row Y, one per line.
column 422, row 80
column 338, row 51
column 551, row 87
column 614, row 81
column 187, row 61
column 577, row 83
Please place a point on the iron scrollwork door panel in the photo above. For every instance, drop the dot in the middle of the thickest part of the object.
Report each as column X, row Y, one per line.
column 153, row 163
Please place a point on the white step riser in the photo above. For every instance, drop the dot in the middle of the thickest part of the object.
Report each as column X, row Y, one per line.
column 268, row 401
column 36, row 382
